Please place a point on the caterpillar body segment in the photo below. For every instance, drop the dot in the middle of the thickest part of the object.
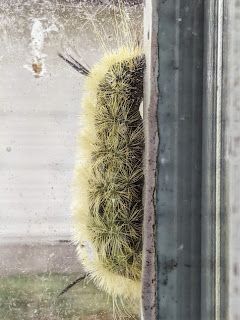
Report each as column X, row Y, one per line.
column 108, row 176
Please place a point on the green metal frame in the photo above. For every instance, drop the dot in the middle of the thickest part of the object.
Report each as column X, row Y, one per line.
column 178, row 199
column 185, row 37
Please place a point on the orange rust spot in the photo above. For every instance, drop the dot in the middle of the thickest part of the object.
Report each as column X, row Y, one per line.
column 37, row 67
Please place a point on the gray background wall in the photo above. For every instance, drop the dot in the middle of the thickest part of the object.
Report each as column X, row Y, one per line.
column 40, row 104
column 39, row 112
column 38, row 118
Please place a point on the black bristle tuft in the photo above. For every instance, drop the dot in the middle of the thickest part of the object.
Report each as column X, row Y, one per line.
column 76, row 65
column 72, row 284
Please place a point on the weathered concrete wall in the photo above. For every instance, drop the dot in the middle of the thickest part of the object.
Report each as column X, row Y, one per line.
column 44, row 258
column 39, row 110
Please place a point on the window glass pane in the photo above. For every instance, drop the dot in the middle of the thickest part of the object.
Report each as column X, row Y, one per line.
column 39, row 121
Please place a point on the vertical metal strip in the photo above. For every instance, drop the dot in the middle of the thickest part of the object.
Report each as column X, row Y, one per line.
column 213, row 304
column 231, row 97
column 218, row 159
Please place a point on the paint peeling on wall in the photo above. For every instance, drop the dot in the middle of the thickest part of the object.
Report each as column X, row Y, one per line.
column 37, row 41
column 38, row 34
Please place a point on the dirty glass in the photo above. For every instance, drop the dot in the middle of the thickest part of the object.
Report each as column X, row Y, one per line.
column 39, row 120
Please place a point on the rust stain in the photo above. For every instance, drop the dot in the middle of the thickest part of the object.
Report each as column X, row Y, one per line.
column 37, row 67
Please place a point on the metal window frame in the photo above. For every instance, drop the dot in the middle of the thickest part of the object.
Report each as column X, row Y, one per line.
column 168, row 46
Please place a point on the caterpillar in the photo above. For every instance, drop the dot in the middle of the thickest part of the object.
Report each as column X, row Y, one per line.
column 108, row 176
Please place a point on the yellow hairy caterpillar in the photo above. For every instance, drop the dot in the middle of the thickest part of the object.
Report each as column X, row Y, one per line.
column 108, row 175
